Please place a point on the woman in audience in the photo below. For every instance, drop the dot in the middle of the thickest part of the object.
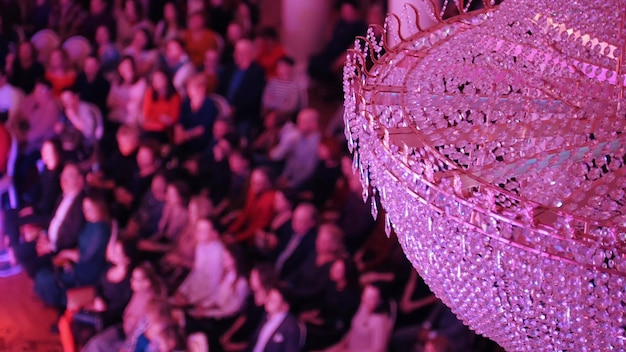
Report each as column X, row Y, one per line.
column 161, row 107
column 173, row 221
column 371, row 326
column 126, row 94
column 157, row 317
column 80, row 266
column 105, row 49
column 25, row 69
column 307, row 284
column 178, row 262
column 258, row 210
column 146, row 286
column 142, row 50
column 170, row 27
column 212, row 70
column 265, row 240
column 201, row 285
column 130, row 18
column 60, row 71
column 216, row 315
column 192, row 134
column 111, row 295
column 330, row 321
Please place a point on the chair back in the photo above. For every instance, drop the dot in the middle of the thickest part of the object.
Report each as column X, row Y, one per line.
column 45, row 41
column 77, row 48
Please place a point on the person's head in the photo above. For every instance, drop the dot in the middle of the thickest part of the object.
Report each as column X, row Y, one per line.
column 304, row 218
column 222, row 150
column 69, row 98
column 337, row 271
column 144, row 279
column 237, row 162
column 95, row 209
column 205, row 231
column 200, row 207
column 147, row 156
column 329, row 240
column 158, row 315
column 127, row 138
column 142, row 40
column 371, row 299
column 120, row 253
column 127, row 69
column 276, row 302
column 171, row 13
column 174, row 51
column 59, row 60
column 97, row 7
column 221, row 128
column 51, row 154
column 158, row 186
column 349, row 11
column 284, row 68
column 260, row 180
column 133, row 10
column 234, row 32
column 177, row 193
column 26, row 52
column 196, row 87
column 211, row 60
column 308, row 121
column 162, row 84
column 91, row 67
column 42, row 90
column 196, row 21
column 72, row 180
column 262, row 279
column 103, row 35
column 244, row 53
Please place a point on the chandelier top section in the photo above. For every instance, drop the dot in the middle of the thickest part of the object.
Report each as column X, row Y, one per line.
column 523, row 100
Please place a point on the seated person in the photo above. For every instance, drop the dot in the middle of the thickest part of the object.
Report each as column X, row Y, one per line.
column 371, row 326
column 258, row 210
column 63, row 227
column 279, row 330
column 214, row 315
column 91, row 84
column 297, row 241
column 81, row 266
column 161, row 107
column 193, row 132
column 282, row 92
column 172, row 223
column 202, row 284
column 60, row 72
column 78, row 132
column 198, row 39
column 125, row 98
column 144, row 221
column 299, row 150
column 146, row 286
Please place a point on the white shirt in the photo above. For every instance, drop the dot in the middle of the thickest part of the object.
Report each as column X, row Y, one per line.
column 59, row 216
column 268, row 330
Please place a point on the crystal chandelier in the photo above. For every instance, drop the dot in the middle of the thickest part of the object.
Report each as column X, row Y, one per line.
column 495, row 142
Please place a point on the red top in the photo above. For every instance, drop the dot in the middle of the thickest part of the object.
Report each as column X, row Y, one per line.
column 160, row 114
column 256, row 215
column 5, row 148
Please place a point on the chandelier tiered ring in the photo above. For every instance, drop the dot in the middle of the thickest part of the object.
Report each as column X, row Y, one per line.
column 496, row 141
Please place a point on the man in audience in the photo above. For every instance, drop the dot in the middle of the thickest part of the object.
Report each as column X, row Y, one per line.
column 298, row 147
column 242, row 85
column 297, row 242
column 36, row 117
column 37, row 249
column 279, row 330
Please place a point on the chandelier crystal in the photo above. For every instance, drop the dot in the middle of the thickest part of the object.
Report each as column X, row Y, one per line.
column 495, row 142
